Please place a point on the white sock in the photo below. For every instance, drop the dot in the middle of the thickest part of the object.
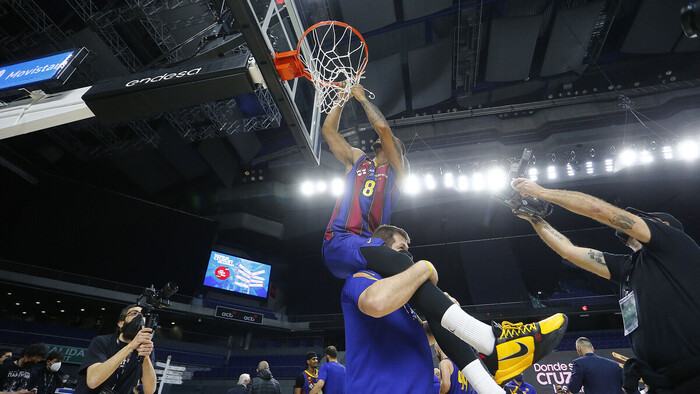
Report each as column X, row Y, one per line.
column 477, row 334
column 481, row 381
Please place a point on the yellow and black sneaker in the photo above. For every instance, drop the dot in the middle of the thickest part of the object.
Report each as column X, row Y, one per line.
column 520, row 345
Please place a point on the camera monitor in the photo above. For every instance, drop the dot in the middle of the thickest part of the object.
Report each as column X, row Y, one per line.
column 238, row 275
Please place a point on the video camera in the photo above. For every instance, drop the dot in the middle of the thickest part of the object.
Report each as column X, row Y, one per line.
column 152, row 300
column 528, row 206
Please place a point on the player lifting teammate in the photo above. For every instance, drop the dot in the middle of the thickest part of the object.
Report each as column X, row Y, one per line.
column 372, row 189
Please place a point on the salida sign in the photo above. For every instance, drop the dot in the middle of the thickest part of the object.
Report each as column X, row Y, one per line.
column 235, row 314
column 71, row 355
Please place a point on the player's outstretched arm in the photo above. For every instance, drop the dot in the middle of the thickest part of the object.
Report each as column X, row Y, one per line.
column 389, row 294
column 317, row 387
column 340, row 148
column 589, row 259
column 390, row 144
column 586, row 205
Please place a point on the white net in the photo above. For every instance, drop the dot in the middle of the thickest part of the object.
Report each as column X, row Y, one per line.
column 335, row 58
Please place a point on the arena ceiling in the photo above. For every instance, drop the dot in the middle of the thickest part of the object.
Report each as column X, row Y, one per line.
column 465, row 84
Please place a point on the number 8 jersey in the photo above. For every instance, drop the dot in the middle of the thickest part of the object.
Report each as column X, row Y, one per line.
column 368, row 199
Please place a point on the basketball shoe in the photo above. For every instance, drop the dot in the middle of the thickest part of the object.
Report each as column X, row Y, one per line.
column 520, row 345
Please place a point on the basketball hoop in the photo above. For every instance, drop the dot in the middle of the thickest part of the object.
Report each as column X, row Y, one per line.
column 333, row 56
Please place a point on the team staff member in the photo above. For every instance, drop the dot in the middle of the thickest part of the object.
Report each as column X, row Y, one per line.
column 659, row 292
column 597, row 375
column 452, row 381
column 331, row 376
column 18, row 377
column 307, row 378
column 49, row 378
column 372, row 189
column 112, row 361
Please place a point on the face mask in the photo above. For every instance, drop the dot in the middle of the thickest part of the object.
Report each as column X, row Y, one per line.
column 55, row 367
column 130, row 329
column 407, row 253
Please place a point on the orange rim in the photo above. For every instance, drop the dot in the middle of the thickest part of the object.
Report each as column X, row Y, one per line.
column 341, row 24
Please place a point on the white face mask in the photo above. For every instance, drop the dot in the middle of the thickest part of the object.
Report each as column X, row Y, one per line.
column 55, row 367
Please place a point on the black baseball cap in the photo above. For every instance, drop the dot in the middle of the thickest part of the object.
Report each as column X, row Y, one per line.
column 310, row 355
column 518, row 378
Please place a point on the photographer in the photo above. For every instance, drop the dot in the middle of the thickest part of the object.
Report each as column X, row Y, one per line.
column 660, row 298
column 111, row 363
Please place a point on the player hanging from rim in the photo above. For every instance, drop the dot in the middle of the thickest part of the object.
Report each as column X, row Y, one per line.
column 372, row 189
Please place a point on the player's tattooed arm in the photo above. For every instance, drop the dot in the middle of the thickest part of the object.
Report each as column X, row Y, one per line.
column 621, row 221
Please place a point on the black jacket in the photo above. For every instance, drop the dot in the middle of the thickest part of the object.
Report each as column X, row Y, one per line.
column 264, row 383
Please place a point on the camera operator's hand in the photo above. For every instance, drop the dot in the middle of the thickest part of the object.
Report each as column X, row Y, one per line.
column 142, row 342
column 524, row 217
column 527, row 187
column 454, row 301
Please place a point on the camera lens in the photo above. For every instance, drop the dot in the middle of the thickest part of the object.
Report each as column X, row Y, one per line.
column 690, row 15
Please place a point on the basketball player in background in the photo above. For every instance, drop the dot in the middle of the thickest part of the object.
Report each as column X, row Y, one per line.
column 372, row 189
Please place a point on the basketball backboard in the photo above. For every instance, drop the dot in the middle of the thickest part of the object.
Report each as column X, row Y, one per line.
column 273, row 26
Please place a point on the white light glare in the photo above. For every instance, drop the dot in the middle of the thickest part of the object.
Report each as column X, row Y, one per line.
column 569, row 169
column 688, row 150
column 589, row 167
column 609, row 165
column 645, row 157
column 462, row 183
column 667, row 152
column 478, row 182
column 430, row 182
column 321, row 186
column 532, row 172
column 412, row 185
column 628, row 157
column 551, row 172
column 449, row 180
column 307, row 188
column 337, row 186
column 496, row 179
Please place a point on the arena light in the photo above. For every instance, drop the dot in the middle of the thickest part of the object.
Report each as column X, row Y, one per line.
column 430, row 182
column 688, row 150
column 532, row 173
column 589, row 167
column 496, row 179
column 569, row 169
column 628, row 157
column 609, row 165
column 478, row 183
column 449, row 180
column 412, row 185
column 551, row 172
column 462, row 183
column 667, row 152
column 306, row 188
column 645, row 157
column 321, row 186
column 337, row 186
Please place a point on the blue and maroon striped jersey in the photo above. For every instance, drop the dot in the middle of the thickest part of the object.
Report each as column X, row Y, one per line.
column 369, row 197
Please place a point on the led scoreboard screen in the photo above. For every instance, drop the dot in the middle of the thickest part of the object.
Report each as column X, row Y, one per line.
column 238, row 275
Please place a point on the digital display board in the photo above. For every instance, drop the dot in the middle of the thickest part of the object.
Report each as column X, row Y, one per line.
column 238, row 275
column 34, row 71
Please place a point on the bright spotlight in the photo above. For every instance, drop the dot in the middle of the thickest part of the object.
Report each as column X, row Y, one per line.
column 462, row 183
column 609, row 165
column 496, row 179
column 430, row 182
column 449, row 180
column 551, row 172
column 412, row 185
column 589, row 167
column 667, row 152
column 645, row 157
column 628, row 157
column 478, row 182
column 307, row 188
column 532, row 173
column 688, row 150
column 321, row 186
column 569, row 169
column 337, row 186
